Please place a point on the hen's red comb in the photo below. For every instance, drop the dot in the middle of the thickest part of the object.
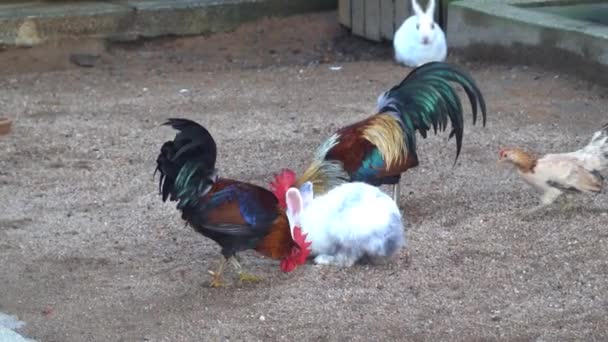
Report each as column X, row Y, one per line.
column 281, row 183
column 502, row 151
column 304, row 245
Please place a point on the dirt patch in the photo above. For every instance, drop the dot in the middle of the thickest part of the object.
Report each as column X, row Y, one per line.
column 88, row 252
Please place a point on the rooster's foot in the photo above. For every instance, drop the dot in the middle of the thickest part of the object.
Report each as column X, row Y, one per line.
column 243, row 276
column 217, row 280
column 246, row 277
column 217, row 275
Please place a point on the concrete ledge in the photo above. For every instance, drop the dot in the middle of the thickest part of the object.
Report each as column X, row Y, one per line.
column 188, row 17
column 30, row 24
column 508, row 31
column 33, row 23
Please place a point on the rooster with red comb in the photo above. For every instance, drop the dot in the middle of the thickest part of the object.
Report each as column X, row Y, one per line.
column 378, row 149
column 237, row 215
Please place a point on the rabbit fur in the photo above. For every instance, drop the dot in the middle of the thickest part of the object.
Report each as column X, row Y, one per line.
column 350, row 222
column 419, row 39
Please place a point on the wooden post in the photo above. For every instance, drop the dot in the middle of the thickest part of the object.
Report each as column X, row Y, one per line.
column 358, row 17
column 380, row 19
column 402, row 11
column 344, row 13
column 387, row 19
column 372, row 19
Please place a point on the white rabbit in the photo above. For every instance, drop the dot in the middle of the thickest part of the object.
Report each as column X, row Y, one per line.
column 350, row 222
column 420, row 40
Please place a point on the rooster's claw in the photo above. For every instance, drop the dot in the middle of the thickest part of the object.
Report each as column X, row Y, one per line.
column 246, row 277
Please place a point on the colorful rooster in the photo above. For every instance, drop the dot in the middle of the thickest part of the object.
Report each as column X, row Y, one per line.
column 236, row 215
column 377, row 150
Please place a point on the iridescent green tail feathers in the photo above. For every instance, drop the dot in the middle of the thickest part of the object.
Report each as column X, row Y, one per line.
column 186, row 164
column 426, row 98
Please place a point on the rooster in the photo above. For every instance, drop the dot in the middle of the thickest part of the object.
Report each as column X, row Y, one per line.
column 562, row 173
column 236, row 215
column 378, row 149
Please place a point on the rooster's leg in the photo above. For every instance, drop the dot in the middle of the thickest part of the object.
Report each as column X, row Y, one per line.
column 217, row 275
column 242, row 275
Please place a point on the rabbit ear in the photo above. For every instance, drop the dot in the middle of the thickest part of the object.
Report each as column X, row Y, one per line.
column 294, row 207
column 430, row 8
column 307, row 193
column 417, row 8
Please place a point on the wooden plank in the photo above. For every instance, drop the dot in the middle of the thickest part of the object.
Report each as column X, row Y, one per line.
column 372, row 19
column 402, row 11
column 344, row 13
column 387, row 19
column 358, row 17
column 442, row 13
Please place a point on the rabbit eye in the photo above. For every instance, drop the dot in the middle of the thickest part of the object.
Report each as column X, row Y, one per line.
column 432, row 26
column 417, row 26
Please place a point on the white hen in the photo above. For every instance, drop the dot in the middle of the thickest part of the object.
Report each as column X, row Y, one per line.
column 559, row 173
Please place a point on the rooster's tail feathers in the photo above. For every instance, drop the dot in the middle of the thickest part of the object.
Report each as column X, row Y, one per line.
column 187, row 163
column 324, row 174
column 426, row 98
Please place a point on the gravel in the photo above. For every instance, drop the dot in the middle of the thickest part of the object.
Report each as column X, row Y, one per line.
column 88, row 252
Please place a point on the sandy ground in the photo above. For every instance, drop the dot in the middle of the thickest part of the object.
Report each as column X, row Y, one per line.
column 88, row 252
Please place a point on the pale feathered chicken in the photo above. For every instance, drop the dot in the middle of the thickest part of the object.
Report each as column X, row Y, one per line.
column 558, row 173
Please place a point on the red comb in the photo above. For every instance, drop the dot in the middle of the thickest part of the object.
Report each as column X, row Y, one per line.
column 304, row 245
column 502, row 151
column 281, row 183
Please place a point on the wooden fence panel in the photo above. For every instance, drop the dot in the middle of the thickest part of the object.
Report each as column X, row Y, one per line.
column 372, row 19
column 387, row 19
column 358, row 17
column 344, row 13
column 379, row 19
column 402, row 11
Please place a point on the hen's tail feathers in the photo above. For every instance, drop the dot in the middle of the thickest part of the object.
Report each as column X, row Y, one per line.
column 187, row 163
column 425, row 99
column 599, row 147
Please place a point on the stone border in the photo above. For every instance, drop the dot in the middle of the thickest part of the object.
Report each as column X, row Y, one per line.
column 497, row 30
column 31, row 24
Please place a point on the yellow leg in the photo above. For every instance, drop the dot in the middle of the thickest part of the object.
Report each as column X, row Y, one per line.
column 217, row 276
column 242, row 275
column 566, row 203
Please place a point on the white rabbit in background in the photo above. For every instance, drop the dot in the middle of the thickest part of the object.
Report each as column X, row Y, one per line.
column 350, row 222
column 419, row 39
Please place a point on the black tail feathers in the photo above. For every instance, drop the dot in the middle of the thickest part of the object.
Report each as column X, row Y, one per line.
column 187, row 163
